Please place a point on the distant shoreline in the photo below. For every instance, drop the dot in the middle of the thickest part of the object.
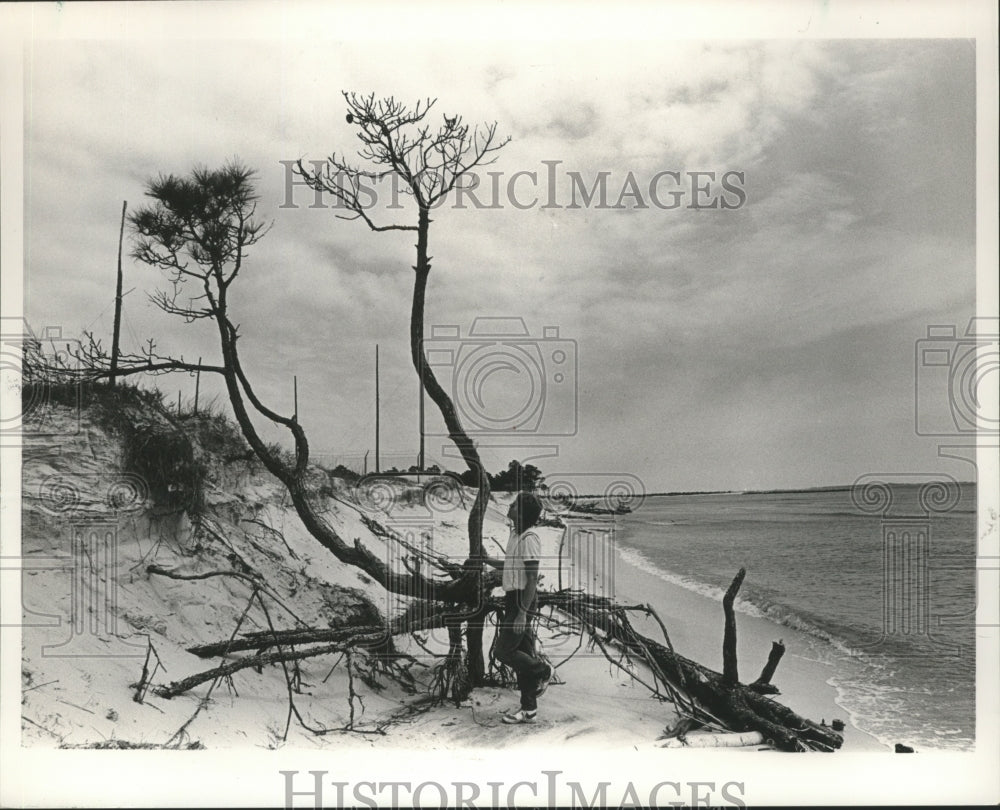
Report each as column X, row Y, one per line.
column 834, row 488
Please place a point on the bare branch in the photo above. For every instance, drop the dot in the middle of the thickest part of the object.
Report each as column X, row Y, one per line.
column 93, row 362
column 332, row 182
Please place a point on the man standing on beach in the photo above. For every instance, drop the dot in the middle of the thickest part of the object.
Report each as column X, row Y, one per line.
column 516, row 643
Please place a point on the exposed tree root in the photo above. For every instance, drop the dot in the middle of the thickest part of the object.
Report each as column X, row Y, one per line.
column 709, row 698
column 451, row 676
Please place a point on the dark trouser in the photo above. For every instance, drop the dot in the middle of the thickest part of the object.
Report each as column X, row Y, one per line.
column 517, row 650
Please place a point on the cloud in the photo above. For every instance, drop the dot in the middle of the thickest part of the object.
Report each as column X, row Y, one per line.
column 694, row 327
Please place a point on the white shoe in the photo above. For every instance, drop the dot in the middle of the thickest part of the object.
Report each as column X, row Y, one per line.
column 521, row 716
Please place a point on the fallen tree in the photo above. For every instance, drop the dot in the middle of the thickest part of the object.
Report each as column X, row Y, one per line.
column 699, row 694
column 738, row 707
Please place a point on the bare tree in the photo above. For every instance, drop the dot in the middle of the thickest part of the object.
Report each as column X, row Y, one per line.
column 398, row 141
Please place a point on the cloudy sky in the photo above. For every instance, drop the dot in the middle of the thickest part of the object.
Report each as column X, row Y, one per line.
column 767, row 345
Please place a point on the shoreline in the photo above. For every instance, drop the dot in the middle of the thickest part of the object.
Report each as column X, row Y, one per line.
column 695, row 624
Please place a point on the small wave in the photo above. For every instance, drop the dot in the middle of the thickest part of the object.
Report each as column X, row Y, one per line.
column 779, row 614
column 882, row 712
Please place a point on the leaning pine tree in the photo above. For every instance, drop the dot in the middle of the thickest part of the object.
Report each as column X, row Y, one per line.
column 198, row 230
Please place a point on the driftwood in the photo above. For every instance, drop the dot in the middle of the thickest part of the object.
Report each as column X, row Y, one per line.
column 742, row 739
column 763, row 685
column 697, row 692
column 262, row 640
column 730, row 670
column 739, row 707
column 340, row 640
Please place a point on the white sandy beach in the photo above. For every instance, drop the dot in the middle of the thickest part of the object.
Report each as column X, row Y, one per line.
column 85, row 701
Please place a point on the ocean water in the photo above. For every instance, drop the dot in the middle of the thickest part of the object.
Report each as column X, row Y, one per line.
column 885, row 593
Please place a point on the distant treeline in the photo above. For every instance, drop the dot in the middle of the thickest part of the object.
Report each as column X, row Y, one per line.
column 516, row 477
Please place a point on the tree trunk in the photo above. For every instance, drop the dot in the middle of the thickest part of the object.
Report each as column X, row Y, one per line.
column 467, row 590
column 440, row 397
column 474, row 563
column 734, row 740
column 474, row 632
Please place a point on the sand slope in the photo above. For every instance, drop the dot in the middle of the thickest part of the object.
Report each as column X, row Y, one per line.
column 79, row 681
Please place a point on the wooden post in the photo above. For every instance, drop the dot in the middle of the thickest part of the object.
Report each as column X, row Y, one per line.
column 561, row 541
column 366, row 462
column 730, row 672
column 295, row 395
column 197, row 386
column 178, row 401
column 116, row 335
column 377, row 460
